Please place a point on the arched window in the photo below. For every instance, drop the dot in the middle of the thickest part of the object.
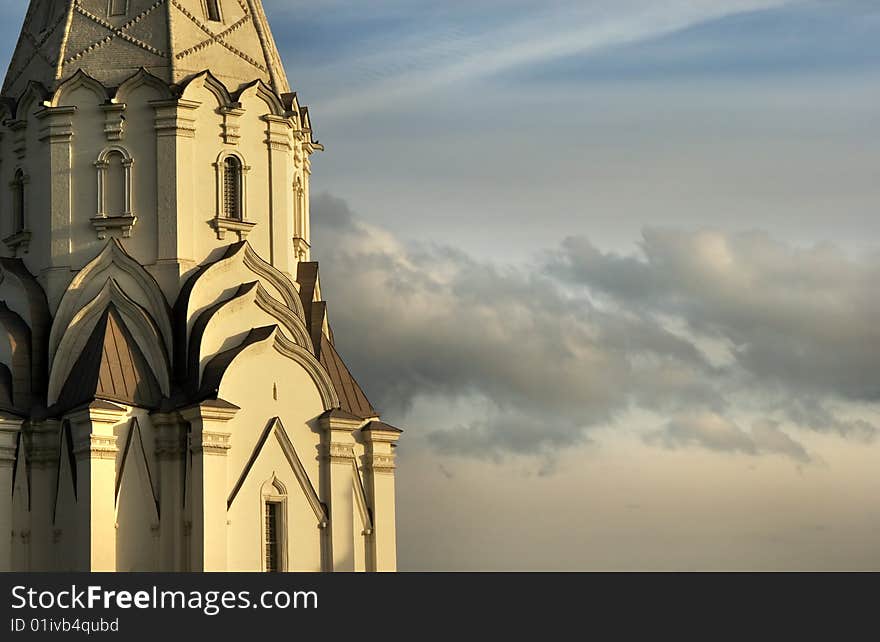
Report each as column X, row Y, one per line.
column 232, row 191
column 114, row 192
column 18, row 202
column 114, row 186
column 232, row 198
column 214, row 10
column 274, row 514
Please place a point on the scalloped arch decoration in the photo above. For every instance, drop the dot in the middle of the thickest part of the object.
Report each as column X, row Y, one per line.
column 113, row 262
column 263, row 92
column 76, row 81
column 286, row 348
column 141, row 78
column 206, row 80
column 251, row 301
column 137, row 320
column 212, row 282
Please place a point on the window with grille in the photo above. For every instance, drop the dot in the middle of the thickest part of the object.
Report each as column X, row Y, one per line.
column 273, row 537
column 232, row 188
column 118, row 7
column 18, row 203
column 213, row 10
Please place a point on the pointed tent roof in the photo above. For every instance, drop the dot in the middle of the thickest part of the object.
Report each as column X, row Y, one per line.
column 111, row 367
column 172, row 39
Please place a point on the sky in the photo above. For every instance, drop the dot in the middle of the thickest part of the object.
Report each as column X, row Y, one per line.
column 611, row 265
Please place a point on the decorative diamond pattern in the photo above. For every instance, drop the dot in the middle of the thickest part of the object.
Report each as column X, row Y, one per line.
column 218, row 38
column 117, row 32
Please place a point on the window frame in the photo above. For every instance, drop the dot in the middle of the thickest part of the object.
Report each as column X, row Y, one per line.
column 19, row 201
column 237, row 202
column 116, row 13
column 274, row 492
column 19, row 238
column 218, row 10
column 222, row 223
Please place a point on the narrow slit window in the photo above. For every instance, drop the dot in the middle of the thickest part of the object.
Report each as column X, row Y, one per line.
column 232, row 206
column 273, row 537
column 213, row 10
column 118, row 7
column 18, row 203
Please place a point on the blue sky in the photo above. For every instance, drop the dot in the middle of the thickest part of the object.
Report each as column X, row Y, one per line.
column 612, row 265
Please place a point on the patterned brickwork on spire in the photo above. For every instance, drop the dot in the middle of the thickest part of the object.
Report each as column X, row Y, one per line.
column 172, row 39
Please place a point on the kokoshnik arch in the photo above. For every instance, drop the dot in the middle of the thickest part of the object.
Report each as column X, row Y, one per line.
column 170, row 394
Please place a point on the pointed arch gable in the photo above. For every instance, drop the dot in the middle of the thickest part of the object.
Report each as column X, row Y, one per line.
column 34, row 94
column 66, row 463
column 262, row 339
column 139, row 456
column 311, row 365
column 140, row 78
column 262, row 91
column 76, row 81
column 211, row 282
column 112, row 259
column 208, row 81
column 248, row 294
column 136, row 506
column 276, row 428
column 138, row 322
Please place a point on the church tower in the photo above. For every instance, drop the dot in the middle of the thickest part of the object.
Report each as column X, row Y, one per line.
column 171, row 397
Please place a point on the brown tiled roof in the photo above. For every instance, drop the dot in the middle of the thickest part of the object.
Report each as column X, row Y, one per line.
column 111, row 367
column 351, row 396
column 380, row 426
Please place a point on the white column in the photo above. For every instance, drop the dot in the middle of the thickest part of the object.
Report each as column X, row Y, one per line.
column 380, row 440
column 95, row 450
column 175, row 193
column 278, row 137
column 43, row 447
column 337, row 487
column 170, row 449
column 58, row 131
column 10, row 426
column 210, row 444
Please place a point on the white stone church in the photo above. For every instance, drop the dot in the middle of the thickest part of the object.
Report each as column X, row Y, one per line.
column 171, row 398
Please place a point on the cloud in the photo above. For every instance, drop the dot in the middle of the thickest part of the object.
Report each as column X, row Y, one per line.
column 798, row 319
column 710, row 327
column 465, row 42
column 713, row 432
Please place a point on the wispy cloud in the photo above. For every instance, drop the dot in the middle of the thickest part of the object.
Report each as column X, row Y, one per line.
column 401, row 65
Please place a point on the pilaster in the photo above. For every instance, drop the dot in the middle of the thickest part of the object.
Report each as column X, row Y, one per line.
column 42, row 441
column 170, row 449
column 209, row 442
column 337, row 485
column 58, row 132
column 95, row 450
column 278, row 142
column 10, row 427
column 379, row 471
column 175, row 137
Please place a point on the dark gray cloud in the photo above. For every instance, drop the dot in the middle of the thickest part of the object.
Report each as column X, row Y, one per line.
column 699, row 324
